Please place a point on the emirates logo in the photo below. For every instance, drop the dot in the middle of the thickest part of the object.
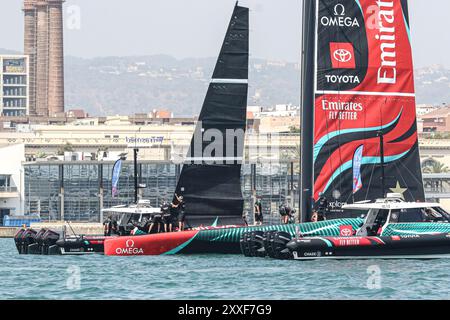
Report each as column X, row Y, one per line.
column 342, row 55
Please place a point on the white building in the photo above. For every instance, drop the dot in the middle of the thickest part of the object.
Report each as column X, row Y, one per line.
column 11, row 180
column 423, row 109
column 14, row 85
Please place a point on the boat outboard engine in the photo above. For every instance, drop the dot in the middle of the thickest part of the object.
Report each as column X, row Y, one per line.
column 49, row 240
column 28, row 238
column 244, row 244
column 36, row 247
column 18, row 239
column 278, row 248
column 268, row 238
column 256, row 244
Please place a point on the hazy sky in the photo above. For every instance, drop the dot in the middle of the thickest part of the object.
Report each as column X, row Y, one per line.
column 195, row 28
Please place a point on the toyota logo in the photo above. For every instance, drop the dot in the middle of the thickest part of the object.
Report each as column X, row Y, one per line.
column 342, row 55
column 346, row 232
column 129, row 243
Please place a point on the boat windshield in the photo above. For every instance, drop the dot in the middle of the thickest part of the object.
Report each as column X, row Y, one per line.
column 435, row 214
column 407, row 215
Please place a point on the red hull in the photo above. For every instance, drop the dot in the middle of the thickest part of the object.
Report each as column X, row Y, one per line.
column 152, row 244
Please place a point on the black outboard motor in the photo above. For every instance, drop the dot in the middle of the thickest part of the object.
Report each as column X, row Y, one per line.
column 268, row 238
column 244, row 244
column 49, row 240
column 28, row 238
column 276, row 244
column 18, row 240
column 256, row 244
column 36, row 247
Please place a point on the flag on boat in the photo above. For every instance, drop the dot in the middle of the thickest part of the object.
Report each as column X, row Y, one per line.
column 364, row 86
column 357, row 161
column 115, row 177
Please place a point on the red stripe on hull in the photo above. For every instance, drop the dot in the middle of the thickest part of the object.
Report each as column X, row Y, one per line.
column 152, row 244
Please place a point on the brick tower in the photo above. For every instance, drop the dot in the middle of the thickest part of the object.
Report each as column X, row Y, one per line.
column 44, row 45
column 30, row 42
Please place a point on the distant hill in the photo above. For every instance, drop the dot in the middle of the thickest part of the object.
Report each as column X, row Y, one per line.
column 433, row 85
column 127, row 85
column 138, row 84
column 7, row 51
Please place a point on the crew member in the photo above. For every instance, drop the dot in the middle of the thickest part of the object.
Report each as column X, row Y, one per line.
column 106, row 227
column 320, row 207
column 113, row 226
column 258, row 212
column 244, row 218
column 165, row 215
column 156, row 220
column 283, row 213
column 181, row 209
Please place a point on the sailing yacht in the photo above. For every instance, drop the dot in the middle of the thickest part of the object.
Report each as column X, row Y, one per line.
column 359, row 132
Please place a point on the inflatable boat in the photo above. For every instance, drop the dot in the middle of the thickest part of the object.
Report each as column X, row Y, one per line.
column 391, row 229
column 401, row 247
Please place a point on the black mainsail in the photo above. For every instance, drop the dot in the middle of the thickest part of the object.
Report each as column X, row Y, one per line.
column 210, row 180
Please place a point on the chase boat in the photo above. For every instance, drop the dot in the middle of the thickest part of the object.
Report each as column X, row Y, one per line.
column 392, row 228
column 54, row 242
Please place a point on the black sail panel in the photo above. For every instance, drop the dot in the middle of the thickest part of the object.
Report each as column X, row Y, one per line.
column 210, row 180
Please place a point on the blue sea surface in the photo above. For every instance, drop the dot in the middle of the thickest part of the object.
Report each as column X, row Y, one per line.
column 216, row 277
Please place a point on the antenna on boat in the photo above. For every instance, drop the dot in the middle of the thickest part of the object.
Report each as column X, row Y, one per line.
column 135, row 155
column 383, row 177
column 307, row 111
column 70, row 226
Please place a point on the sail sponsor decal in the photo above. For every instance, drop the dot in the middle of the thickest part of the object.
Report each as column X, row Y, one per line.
column 357, row 162
column 364, row 87
column 115, row 178
column 346, row 231
column 129, row 249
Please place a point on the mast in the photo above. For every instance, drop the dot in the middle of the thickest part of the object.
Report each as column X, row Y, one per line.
column 383, row 177
column 307, row 110
column 136, row 186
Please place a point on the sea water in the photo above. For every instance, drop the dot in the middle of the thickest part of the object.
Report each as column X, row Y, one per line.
column 216, row 277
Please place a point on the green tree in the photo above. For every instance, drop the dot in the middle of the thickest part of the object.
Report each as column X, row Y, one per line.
column 435, row 167
column 294, row 129
column 66, row 148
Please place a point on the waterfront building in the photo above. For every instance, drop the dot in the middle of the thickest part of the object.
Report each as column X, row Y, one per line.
column 76, row 190
column 437, row 120
column 11, row 181
column 14, row 85
column 74, row 186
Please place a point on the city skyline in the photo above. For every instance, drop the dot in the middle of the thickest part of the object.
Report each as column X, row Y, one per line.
column 166, row 27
